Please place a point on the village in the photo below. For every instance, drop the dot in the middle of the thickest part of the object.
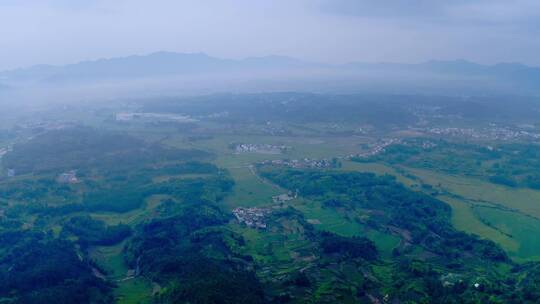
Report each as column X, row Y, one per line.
column 493, row 132
column 304, row 163
column 259, row 148
column 69, row 177
column 3, row 151
column 254, row 217
column 285, row 197
column 377, row 148
column 152, row 117
column 44, row 125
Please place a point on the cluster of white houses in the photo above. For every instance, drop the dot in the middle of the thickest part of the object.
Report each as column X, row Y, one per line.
column 285, row 197
column 252, row 217
column 260, row 148
column 69, row 177
column 303, row 163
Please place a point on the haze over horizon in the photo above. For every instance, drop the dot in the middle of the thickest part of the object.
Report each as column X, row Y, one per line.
column 60, row 32
column 268, row 56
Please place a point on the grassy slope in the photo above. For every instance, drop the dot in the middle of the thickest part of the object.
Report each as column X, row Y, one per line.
column 128, row 291
column 110, row 258
column 250, row 190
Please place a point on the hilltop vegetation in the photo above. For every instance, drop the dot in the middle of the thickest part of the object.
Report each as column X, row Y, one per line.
column 37, row 268
column 94, row 232
column 193, row 256
column 87, row 149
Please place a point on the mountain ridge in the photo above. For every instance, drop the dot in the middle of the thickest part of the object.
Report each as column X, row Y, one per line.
column 276, row 59
column 460, row 75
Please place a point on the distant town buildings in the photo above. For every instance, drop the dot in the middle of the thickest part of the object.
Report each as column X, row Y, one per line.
column 45, row 125
column 6, row 150
column 131, row 116
column 489, row 133
column 283, row 198
column 68, row 177
column 304, row 163
column 378, row 147
column 260, row 148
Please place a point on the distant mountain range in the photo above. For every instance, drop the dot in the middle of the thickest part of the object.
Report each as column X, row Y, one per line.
column 152, row 65
column 458, row 67
column 505, row 76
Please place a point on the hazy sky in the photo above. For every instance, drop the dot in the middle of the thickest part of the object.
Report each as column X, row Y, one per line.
column 66, row 31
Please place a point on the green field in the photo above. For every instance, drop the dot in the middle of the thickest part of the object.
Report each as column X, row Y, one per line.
column 465, row 219
column 523, row 228
column 130, row 290
column 134, row 291
column 250, row 190
column 505, row 215
column 520, row 199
